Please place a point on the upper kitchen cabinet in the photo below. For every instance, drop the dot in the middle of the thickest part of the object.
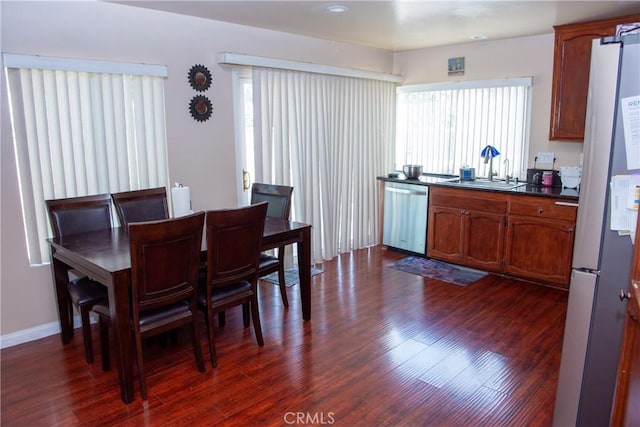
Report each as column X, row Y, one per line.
column 571, row 62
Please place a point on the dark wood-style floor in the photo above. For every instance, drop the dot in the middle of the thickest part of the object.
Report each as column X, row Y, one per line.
column 383, row 348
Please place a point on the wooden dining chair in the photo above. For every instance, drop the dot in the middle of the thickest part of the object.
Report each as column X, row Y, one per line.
column 163, row 293
column 141, row 205
column 234, row 238
column 76, row 215
column 279, row 199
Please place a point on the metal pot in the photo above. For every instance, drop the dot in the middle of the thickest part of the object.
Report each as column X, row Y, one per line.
column 412, row 171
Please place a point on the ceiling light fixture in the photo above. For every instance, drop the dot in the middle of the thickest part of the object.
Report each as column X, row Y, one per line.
column 478, row 37
column 337, row 8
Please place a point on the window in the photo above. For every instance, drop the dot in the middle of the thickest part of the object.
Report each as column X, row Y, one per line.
column 80, row 128
column 445, row 126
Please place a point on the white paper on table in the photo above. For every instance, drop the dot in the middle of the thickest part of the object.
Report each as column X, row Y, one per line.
column 631, row 125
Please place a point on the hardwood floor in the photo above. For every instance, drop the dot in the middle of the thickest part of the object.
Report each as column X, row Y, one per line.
column 383, row 348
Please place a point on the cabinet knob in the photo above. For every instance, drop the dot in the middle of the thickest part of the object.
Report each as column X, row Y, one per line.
column 624, row 295
column 540, row 211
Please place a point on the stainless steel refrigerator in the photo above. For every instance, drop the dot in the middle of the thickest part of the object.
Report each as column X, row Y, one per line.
column 601, row 257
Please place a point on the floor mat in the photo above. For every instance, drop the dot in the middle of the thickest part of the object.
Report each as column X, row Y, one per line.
column 291, row 276
column 461, row 276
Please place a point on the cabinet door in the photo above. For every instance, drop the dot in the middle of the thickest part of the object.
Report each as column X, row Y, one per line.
column 483, row 242
column 571, row 62
column 572, row 58
column 626, row 408
column 444, row 239
column 540, row 249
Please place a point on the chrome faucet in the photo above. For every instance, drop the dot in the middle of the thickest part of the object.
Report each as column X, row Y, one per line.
column 491, row 169
column 507, row 178
column 488, row 153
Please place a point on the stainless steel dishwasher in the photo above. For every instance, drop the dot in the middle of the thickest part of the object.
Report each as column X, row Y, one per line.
column 405, row 216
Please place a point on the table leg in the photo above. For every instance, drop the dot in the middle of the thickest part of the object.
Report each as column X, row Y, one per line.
column 119, row 305
column 60, row 275
column 304, row 268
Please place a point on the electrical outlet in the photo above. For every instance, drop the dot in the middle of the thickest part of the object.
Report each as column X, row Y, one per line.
column 546, row 158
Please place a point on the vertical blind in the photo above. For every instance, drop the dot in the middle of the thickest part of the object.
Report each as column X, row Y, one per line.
column 329, row 137
column 445, row 126
column 78, row 133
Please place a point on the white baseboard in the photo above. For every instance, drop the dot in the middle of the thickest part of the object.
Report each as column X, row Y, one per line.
column 35, row 333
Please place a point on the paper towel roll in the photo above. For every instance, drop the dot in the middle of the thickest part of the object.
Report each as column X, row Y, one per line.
column 181, row 198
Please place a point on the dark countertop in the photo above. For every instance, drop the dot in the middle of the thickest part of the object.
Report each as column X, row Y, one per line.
column 529, row 189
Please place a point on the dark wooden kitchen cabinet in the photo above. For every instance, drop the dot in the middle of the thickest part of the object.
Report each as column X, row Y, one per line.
column 540, row 238
column 627, row 398
column 467, row 230
column 530, row 237
column 626, row 407
column 571, row 62
column 444, row 233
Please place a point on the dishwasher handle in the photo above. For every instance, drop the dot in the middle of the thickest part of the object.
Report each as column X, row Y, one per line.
column 571, row 204
column 405, row 191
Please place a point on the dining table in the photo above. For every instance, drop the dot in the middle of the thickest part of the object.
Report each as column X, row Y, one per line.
column 104, row 256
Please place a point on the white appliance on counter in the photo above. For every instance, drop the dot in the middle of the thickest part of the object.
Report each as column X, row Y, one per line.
column 405, row 216
column 601, row 257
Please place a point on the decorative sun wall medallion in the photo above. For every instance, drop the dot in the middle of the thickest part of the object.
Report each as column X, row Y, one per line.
column 200, row 108
column 199, row 78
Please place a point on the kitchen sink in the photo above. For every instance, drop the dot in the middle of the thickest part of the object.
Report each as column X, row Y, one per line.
column 485, row 183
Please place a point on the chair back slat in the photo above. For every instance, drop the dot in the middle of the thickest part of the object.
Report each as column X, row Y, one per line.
column 234, row 239
column 278, row 197
column 141, row 205
column 76, row 215
column 165, row 260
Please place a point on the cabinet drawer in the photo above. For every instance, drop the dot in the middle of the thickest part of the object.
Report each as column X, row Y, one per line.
column 466, row 199
column 542, row 208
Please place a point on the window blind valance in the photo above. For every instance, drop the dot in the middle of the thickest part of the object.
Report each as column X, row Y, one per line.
column 284, row 64
column 469, row 84
column 12, row 60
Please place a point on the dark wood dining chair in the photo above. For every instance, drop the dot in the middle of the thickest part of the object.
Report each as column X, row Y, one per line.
column 163, row 293
column 279, row 199
column 141, row 205
column 76, row 215
column 234, row 238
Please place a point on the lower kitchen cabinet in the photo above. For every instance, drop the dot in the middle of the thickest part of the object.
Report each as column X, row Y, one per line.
column 483, row 242
column 525, row 236
column 540, row 239
column 466, row 230
column 444, row 233
column 539, row 249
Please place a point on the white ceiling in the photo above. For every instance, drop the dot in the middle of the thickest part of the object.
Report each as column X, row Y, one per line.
column 400, row 25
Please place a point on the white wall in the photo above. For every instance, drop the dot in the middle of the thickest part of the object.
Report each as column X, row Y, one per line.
column 201, row 153
column 518, row 57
